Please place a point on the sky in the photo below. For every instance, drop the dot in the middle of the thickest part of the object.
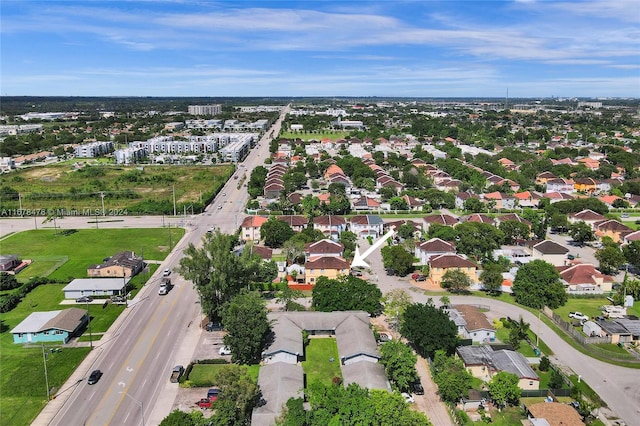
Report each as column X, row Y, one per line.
column 387, row 48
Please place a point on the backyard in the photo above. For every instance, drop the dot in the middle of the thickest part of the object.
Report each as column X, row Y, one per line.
column 205, row 375
column 321, row 363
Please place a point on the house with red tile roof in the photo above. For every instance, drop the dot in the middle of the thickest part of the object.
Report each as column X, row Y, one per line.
column 560, row 185
column 366, row 226
column 502, row 200
column 251, row 228
column 528, row 198
column 324, row 247
column 584, row 278
column 629, row 238
column 331, row 226
column 543, row 177
column 586, row 185
column 609, row 199
column 612, row 228
column 555, row 414
column 324, row 266
column 366, row 204
column 554, row 197
column 432, row 248
column 587, row 216
column 296, row 222
column 478, row 218
column 441, row 219
column 439, row 265
column 512, row 217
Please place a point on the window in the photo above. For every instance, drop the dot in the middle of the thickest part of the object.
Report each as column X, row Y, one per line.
column 530, row 382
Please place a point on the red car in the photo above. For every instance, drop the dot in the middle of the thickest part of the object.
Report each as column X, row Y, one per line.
column 418, row 277
column 204, row 403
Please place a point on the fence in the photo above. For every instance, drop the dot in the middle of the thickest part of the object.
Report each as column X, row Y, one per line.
column 588, row 342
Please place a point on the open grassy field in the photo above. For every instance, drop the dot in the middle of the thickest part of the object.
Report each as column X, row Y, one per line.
column 317, row 136
column 318, row 365
column 80, row 189
column 49, row 249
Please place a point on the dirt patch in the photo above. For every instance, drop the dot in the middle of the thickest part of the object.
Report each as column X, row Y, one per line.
column 188, row 398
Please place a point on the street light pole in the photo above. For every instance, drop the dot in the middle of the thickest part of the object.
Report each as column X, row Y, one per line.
column 46, row 375
column 140, row 404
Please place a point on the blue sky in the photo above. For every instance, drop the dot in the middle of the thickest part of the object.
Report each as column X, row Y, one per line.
column 321, row 48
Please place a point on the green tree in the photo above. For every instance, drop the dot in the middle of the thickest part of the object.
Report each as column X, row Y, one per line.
column 216, row 272
column 293, row 249
column 580, row 232
column 398, row 259
column 287, row 295
column 238, row 396
column 398, row 203
column 346, row 293
column 504, row 389
column 491, row 278
column 429, row 329
column 181, row 418
column 348, row 240
column 395, row 303
column 245, row 319
column 474, row 205
column 631, row 253
column 293, row 414
column 453, row 380
column 556, row 381
column 518, row 331
column 538, row 284
column 446, row 233
column 405, row 231
column 255, row 186
column 8, row 281
column 514, row 230
column 478, row 240
column 275, row 232
column 400, row 364
column 611, row 259
column 559, row 222
column 455, row 281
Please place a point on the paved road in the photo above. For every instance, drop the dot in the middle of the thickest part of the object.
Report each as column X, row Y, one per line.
column 619, row 387
column 155, row 333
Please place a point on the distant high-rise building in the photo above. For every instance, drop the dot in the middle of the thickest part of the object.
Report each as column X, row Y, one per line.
column 205, row 109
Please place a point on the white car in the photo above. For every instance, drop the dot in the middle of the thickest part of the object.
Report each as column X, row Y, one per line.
column 579, row 316
column 225, row 350
column 408, row 398
column 166, row 272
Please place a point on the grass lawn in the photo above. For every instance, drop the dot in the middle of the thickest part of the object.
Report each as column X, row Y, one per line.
column 611, row 347
column 317, row 136
column 317, row 365
column 204, row 375
column 508, row 417
column 85, row 247
column 589, row 307
column 62, row 186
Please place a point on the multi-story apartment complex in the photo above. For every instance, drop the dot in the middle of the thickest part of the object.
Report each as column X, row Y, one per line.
column 205, row 109
column 94, row 149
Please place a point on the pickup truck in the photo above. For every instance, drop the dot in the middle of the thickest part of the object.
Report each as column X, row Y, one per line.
column 165, row 286
column 205, row 403
column 176, row 373
column 579, row 316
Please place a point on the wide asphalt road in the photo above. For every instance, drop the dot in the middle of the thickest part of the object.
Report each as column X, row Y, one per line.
column 155, row 333
column 619, row 387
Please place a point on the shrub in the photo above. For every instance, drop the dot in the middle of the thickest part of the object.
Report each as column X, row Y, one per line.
column 8, row 281
column 544, row 364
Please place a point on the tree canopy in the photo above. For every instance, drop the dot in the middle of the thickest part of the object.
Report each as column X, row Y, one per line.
column 336, row 405
column 238, row 396
column 580, row 232
column 245, row 319
column 455, row 281
column 429, row 329
column 275, row 232
column 398, row 259
column 610, row 258
column 400, row 364
column 453, row 380
column 216, row 272
column 503, row 389
column 491, row 277
column 537, row 284
column 478, row 240
column 346, row 293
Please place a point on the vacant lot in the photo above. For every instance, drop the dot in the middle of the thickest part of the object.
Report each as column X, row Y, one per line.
column 322, row 362
column 61, row 256
column 124, row 189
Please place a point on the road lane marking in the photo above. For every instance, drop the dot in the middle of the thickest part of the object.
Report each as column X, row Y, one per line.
column 138, row 341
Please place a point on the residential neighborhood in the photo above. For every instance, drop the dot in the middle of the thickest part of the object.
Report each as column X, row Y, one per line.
column 541, row 215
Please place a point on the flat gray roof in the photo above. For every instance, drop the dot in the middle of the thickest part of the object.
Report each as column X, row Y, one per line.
column 96, row 284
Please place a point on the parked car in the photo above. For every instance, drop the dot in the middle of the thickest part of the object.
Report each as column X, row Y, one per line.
column 176, row 373
column 384, row 337
column 408, row 398
column 118, row 299
column 94, row 377
column 570, row 257
column 212, row 326
column 224, row 350
column 417, row 388
column 579, row 316
column 212, row 394
column 84, row 299
column 205, row 403
column 624, row 216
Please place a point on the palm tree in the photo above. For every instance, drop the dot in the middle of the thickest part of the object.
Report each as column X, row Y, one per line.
column 519, row 332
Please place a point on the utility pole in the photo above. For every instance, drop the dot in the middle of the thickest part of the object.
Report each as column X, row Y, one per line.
column 89, row 325
column 140, row 404
column 46, row 376
column 102, row 196
column 174, row 200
